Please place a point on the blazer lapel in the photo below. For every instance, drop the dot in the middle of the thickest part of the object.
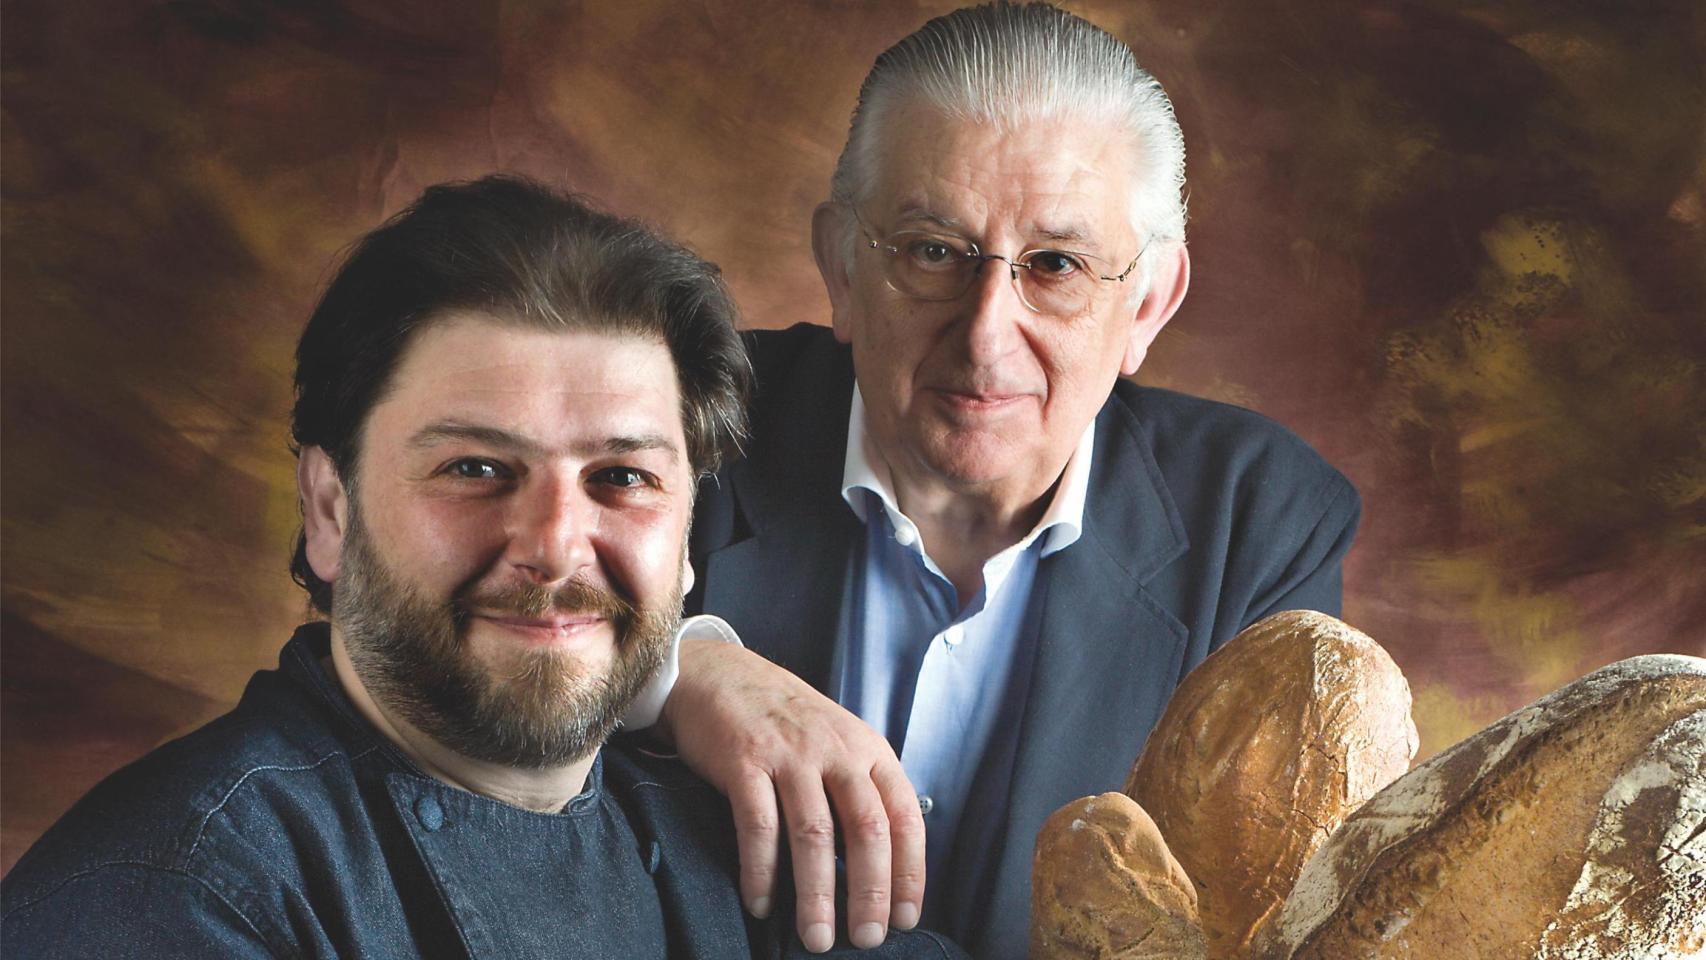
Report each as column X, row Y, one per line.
column 1107, row 659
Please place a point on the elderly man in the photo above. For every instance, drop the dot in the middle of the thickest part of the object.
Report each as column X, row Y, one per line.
column 955, row 519
column 503, row 403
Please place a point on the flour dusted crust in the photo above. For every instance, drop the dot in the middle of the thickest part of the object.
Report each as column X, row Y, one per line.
column 1262, row 752
column 1104, row 886
column 1572, row 829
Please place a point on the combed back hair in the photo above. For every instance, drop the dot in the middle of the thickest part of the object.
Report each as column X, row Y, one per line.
column 527, row 255
column 1013, row 64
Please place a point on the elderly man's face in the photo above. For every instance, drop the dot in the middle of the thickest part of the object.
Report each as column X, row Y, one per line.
column 982, row 391
column 511, row 566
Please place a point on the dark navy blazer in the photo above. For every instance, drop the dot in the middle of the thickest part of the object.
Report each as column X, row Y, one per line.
column 1201, row 519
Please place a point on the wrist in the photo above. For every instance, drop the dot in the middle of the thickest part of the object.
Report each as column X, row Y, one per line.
column 648, row 710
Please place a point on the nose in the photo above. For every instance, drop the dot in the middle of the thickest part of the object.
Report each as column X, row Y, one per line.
column 549, row 529
column 991, row 329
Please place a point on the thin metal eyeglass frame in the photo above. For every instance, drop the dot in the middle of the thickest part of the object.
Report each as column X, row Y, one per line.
column 1014, row 264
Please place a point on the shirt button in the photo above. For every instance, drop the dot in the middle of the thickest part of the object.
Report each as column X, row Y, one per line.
column 954, row 635
column 905, row 536
column 430, row 814
column 925, row 804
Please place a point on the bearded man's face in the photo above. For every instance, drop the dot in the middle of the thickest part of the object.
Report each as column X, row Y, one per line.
column 509, row 550
column 536, row 708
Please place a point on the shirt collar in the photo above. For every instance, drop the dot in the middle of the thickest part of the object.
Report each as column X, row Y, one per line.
column 864, row 468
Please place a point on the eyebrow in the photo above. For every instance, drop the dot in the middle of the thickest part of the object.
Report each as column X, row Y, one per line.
column 452, row 430
column 1067, row 233
column 1070, row 231
column 916, row 213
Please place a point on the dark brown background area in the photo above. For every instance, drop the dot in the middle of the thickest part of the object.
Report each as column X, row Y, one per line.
column 1458, row 246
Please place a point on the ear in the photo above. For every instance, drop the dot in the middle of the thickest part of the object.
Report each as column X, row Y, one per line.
column 1166, row 291
column 829, row 248
column 325, row 511
column 687, row 576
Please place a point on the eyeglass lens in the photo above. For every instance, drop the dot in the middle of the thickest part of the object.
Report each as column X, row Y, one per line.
column 931, row 267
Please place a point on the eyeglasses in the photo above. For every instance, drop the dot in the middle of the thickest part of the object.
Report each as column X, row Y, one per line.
column 934, row 266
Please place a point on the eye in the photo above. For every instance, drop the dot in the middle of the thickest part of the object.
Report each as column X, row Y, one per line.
column 1054, row 264
column 932, row 253
column 472, row 468
column 625, row 477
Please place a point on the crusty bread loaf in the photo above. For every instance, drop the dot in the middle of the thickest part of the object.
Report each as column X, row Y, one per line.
column 1264, row 750
column 1104, row 886
column 1572, row 829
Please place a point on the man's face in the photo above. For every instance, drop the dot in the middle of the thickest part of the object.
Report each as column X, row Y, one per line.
column 511, row 565
column 981, row 391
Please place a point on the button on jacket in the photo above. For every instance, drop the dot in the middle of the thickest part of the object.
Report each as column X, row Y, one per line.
column 290, row 828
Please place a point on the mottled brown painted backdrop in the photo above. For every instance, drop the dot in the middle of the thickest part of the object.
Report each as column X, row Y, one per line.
column 1458, row 246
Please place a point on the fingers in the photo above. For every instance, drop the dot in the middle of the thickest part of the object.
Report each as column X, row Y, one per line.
column 758, row 832
column 906, row 844
column 811, row 846
column 787, row 756
column 865, row 835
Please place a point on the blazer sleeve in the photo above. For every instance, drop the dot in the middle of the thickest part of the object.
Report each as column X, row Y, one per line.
column 1314, row 578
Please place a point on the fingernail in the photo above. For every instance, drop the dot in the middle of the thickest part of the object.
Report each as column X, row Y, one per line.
column 868, row 935
column 819, row 937
column 760, row 907
column 905, row 915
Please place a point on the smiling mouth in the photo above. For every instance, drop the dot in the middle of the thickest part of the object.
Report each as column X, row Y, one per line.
column 549, row 630
column 978, row 402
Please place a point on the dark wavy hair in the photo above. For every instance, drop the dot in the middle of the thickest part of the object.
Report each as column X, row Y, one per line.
column 519, row 250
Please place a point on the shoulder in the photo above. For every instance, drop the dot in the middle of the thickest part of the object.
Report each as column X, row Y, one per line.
column 1207, row 448
column 134, row 909
column 662, row 791
column 776, row 350
column 1180, row 427
column 800, row 372
column 204, row 808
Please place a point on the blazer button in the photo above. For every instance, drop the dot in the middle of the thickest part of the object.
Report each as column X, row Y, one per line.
column 429, row 813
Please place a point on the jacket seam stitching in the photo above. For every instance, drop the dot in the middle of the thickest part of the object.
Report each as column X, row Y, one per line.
column 207, row 818
column 145, row 865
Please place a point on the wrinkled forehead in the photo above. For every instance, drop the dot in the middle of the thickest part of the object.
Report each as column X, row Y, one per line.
column 1063, row 177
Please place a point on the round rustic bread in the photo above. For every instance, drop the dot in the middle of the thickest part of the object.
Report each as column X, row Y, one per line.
column 1264, row 750
column 1572, row 829
column 1104, row 886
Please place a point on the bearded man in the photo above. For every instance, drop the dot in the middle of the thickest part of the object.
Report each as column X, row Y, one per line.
column 503, row 404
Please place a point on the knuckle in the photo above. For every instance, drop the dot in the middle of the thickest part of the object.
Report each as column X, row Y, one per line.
column 868, row 895
column 805, row 900
column 819, row 830
column 869, row 827
column 756, row 822
column 907, row 829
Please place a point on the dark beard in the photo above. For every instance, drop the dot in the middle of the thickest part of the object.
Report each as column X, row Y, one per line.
column 411, row 654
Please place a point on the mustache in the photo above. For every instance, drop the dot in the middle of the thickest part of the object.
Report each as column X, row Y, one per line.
column 575, row 596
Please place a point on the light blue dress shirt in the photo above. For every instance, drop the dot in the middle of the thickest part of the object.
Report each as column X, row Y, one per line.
column 945, row 684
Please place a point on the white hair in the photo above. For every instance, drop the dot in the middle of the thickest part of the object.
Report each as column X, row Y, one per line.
column 1012, row 65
